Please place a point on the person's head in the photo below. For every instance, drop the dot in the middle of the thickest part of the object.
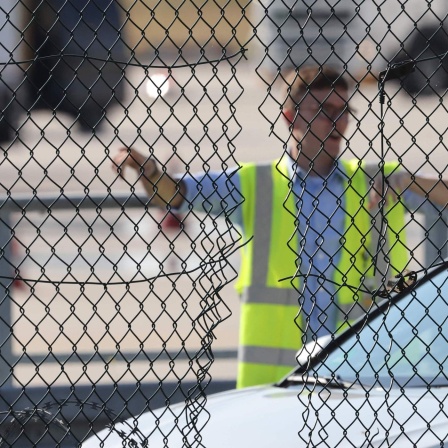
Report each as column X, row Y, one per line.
column 317, row 112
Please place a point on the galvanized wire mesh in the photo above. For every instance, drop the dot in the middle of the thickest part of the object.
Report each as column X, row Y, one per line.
column 110, row 306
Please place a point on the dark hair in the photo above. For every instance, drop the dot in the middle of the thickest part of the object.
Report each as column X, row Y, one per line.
column 300, row 82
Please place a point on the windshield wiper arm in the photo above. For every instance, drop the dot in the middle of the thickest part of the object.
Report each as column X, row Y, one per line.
column 335, row 382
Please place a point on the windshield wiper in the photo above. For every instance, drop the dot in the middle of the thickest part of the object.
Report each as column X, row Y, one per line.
column 335, row 382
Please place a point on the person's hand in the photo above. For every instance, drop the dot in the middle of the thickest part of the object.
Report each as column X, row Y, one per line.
column 161, row 188
column 128, row 157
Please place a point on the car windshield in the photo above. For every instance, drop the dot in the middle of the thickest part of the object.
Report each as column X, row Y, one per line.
column 406, row 345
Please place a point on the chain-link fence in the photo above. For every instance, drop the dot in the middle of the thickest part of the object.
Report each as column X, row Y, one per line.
column 182, row 180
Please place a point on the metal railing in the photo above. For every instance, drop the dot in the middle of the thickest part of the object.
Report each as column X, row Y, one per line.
column 435, row 249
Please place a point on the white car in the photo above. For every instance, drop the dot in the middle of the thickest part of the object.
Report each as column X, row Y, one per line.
column 384, row 382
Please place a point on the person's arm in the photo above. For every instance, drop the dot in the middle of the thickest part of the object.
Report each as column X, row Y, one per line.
column 214, row 192
column 435, row 189
column 160, row 186
column 431, row 187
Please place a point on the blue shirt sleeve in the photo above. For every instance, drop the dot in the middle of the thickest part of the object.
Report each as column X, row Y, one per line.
column 216, row 193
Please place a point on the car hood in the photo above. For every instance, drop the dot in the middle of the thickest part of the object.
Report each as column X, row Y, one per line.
column 296, row 416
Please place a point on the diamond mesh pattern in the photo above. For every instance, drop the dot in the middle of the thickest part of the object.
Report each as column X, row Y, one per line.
column 113, row 300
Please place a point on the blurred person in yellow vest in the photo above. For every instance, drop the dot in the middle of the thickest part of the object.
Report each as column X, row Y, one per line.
column 305, row 217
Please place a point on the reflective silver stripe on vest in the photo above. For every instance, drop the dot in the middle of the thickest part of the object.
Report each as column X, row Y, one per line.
column 382, row 270
column 262, row 224
column 258, row 292
column 350, row 312
column 265, row 295
column 267, row 355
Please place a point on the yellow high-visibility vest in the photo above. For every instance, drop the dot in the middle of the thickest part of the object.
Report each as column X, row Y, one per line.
column 269, row 335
